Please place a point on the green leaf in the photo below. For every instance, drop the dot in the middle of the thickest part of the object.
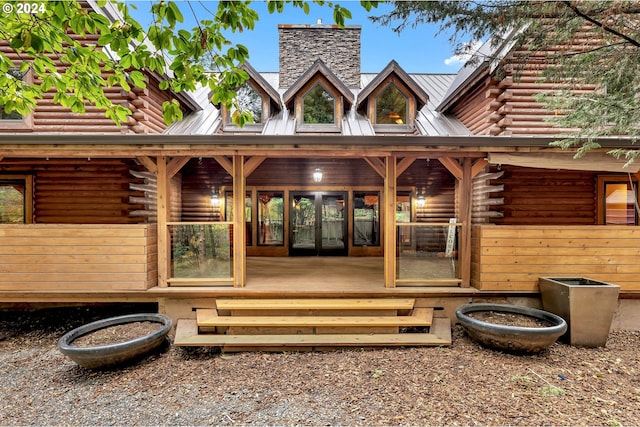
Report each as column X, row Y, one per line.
column 138, row 79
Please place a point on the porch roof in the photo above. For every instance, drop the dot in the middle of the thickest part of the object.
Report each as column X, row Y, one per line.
column 12, row 143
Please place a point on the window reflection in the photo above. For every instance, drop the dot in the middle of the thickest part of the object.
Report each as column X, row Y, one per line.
column 270, row 218
column 391, row 107
column 366, row 218
column 318, row 106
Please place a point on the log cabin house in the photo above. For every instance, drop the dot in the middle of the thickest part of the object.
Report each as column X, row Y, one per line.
column 377, row 198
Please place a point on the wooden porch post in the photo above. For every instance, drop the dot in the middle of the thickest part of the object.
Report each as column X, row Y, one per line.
column 163, row 215
column 390, row 222
column 239, row 224
column 465, row 216
column 464, row 174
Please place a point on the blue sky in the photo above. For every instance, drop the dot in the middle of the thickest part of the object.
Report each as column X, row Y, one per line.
column 416, row 50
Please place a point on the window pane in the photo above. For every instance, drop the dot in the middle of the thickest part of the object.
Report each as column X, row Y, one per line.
column 12, row 202
column 366, row 219
column 249, row 100
column 12, row 115
column 318, row 106
column 403, row 214
column 201, row 251
column 619, row 204
column 391, row 107
column 271, row 218
column 228, row 214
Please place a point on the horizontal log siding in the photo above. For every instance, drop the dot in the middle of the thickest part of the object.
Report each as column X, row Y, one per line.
column 505, row 105
column 546, row 197
column 476, row 110
column 80, row 191
column 87, row 258
column 511, row 258
column 145, row 104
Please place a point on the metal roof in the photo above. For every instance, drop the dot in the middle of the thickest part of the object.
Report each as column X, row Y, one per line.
column 428, row 121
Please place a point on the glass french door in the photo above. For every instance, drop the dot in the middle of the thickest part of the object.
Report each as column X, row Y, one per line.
column 318, row 223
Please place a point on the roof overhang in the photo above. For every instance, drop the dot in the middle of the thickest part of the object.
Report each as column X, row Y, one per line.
column 591, row 161
column 495, row 143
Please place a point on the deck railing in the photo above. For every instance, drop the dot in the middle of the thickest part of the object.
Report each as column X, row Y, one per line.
column 201, row 253
column 511, row 257
column 427, row 254
column 83, row 257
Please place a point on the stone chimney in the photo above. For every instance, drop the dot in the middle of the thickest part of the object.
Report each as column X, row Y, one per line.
column 301, row 45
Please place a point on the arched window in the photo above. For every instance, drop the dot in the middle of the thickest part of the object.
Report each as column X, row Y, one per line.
column 318, row 106
column 391, row 107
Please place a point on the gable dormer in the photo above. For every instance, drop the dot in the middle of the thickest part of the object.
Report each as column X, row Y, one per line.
column 318, row 100
column 258, row 97
column 391, row 100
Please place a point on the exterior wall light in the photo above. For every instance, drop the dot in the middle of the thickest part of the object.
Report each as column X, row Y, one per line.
column 421, row 201
column 317, row 175
column 215, row 199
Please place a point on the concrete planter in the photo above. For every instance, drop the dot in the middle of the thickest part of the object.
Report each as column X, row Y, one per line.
column 587, row 305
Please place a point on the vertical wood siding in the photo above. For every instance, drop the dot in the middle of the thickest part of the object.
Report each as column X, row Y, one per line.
column 510, row 258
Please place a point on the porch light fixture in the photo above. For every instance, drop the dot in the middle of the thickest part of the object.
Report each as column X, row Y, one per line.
column 317, row 175
column 421, row 200
column 215, row 198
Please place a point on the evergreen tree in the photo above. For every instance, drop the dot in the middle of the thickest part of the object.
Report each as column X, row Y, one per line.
column 609, row 60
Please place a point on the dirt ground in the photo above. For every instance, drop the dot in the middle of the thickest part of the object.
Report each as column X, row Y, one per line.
column 463, row 384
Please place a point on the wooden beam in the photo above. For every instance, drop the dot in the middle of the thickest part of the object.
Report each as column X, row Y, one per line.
column 390, row 223
column 175, row 165
column 252, row 164
column 466, row 185
column 478, row 166
column 225, row 163
column 452, row 166
column 148, row 163
column 239, row 230
column 376, row 164
column 404, row 164
column 164, row 250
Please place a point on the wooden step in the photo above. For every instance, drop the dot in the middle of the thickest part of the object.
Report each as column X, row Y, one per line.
column 439, row 335
column 316, row 304
column 209, row 318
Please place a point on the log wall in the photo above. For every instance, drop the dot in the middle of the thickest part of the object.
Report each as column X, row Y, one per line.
column 511, row 258
column 49, row 117
column 504, row 103
column 81, row 191
column 545, row 197
column 47, row 257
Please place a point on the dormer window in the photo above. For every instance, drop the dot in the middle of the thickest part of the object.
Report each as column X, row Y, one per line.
column 318, row 100
column 257, row 97
column 319, row 106
column 249, row 99
column 391, row 107
column 391, row 101
column 15, row 120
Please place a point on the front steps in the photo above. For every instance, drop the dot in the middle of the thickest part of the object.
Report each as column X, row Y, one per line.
column 313, row 323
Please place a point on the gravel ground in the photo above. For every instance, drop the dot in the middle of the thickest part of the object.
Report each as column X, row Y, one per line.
column 463, row 384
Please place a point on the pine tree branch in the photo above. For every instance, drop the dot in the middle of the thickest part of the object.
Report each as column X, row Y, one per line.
column 600, row 24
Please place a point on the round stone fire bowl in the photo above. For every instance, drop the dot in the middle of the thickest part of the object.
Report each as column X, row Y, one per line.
column 118, row 353
column 516, row 339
